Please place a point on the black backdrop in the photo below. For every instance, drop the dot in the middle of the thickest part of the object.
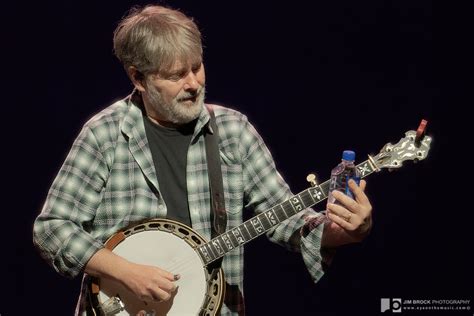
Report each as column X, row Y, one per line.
column 315, row 79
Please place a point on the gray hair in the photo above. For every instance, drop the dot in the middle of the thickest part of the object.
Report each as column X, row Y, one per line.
column 153, row 38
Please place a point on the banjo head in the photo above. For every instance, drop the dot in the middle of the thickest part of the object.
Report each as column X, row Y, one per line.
column 168, row 245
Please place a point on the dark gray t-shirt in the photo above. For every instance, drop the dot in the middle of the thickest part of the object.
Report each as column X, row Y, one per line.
column 169, row 148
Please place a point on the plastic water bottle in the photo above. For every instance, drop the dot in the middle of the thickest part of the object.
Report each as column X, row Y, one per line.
column 341, row 175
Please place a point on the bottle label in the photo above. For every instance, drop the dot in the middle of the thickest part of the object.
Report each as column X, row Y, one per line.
column 347, row 190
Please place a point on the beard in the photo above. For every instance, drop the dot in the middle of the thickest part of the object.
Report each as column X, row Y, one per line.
column 184, row 108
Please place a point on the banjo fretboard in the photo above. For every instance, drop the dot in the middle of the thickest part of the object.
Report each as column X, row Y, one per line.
column 263, row 222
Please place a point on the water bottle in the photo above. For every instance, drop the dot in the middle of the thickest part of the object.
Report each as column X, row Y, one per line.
column 341, row 175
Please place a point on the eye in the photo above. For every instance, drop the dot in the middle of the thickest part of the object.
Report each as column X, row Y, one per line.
column 176, row 76
column 196, row 68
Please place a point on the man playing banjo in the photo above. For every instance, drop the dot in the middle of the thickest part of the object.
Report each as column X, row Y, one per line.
column 144, row 157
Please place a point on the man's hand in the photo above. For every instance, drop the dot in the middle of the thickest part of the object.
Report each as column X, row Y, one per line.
column 148, row 283
column 351, row 220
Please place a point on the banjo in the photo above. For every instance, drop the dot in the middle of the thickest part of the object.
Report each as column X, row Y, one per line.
column 179, row 249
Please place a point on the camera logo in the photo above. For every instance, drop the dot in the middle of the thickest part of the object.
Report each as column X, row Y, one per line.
column 394, row 305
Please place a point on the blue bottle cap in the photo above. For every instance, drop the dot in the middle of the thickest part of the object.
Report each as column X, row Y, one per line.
column 348, row 155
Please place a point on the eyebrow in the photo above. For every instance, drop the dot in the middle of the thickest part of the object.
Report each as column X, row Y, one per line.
column 180, row 70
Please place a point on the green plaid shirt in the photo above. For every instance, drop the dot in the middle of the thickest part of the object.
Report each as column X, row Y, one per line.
column 108, row 182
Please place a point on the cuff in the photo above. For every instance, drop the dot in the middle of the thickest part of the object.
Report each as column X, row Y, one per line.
column 317, row 222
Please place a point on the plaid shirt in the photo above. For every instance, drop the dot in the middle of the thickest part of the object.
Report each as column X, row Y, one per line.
column 108, row 182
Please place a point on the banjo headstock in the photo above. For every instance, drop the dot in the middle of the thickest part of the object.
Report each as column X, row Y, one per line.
column 414, row 146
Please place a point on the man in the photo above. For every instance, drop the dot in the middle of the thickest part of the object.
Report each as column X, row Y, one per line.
column 144, row 157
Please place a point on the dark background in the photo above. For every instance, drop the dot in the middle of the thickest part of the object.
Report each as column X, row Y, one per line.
column 315, row 79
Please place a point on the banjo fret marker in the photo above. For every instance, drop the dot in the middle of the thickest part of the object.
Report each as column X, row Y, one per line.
column 365, row 168
column 238, row 235
column 205, row 254
column 296, row 203
column 217, row 246
column 227, row 241
column 272, row 218
column 233, row 239
column 257, row 225
column 316, row 194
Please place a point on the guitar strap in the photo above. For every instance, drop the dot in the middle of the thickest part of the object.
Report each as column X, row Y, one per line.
column 219, row 215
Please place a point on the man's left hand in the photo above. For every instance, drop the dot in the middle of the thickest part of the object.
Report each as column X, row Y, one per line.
column 354, row 216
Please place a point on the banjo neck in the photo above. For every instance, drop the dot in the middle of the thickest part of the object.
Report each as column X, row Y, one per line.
column 263, row 222
column 413, row 147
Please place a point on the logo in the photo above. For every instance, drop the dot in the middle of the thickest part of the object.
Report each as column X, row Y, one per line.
column 391, row 304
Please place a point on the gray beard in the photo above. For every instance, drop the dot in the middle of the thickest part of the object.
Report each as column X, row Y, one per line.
column 176, row 112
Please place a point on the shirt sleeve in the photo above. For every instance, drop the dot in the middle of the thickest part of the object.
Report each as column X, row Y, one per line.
column 265, row 188
column 60, row 231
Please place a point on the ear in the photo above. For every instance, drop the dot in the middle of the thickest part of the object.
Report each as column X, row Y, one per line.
column 138, row 79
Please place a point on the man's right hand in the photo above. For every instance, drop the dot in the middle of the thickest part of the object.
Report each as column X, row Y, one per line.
column 148, row 283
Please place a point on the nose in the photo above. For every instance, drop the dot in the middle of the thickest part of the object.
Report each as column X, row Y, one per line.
column 191, row 83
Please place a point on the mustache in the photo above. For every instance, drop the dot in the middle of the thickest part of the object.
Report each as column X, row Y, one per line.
column 185, row 95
